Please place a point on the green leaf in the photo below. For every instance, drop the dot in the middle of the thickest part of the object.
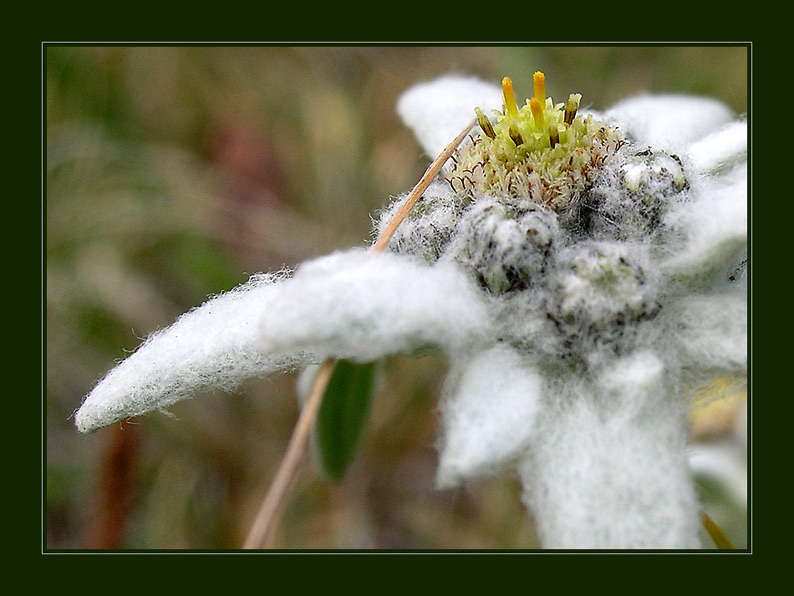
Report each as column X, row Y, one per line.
column 343, row 416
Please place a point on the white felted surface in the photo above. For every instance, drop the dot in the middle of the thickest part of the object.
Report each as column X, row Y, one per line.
column 708, row 335
column 714, row 224
column 721, row 148
column 668, row 121
column 438, row 110
column 361, row 306
column 488, row 414
column 609, row 468
column 211, row 347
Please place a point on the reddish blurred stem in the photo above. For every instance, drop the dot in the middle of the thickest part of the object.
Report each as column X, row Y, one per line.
column 115, row 489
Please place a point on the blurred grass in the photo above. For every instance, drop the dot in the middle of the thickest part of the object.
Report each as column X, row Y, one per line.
column 175, row 172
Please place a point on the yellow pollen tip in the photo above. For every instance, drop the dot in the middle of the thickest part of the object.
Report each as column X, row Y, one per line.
column 537, row 112
column 509, row 96
column 539, row 81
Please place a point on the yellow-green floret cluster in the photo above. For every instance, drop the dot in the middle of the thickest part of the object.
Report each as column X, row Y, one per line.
column 542, row 152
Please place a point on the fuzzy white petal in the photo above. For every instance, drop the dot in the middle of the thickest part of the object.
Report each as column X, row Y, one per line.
column 720, row 149
column 715, row 227
column 488, row 414
column 438, row 110
column 361, row 306
column 709, row 335
column 211, row 347
column 667, row 121
column 607, row 468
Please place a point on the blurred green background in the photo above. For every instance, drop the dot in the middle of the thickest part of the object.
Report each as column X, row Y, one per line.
column 175, row 172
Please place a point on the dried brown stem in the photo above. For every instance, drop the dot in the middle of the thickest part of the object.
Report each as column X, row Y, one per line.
column 262, row 530
column 432, row 171
column 272, row 507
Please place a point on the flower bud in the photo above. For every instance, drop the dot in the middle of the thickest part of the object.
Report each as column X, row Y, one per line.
column 503, row 246
column 631, row 203
column 598, row 293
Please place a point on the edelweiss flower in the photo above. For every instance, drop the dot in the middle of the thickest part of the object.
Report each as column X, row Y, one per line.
column 584, row 273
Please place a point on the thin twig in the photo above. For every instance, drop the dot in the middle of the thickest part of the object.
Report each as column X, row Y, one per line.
column 272, row 507
column 421, row 186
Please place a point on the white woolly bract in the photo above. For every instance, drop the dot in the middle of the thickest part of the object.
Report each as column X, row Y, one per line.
column 489, row 411
column 608, row 468
column 720, row 149
column 438, row 110
column 708, row 335
column 714, row 226
column 361, row 306
column 668, row 121
column 211, row 347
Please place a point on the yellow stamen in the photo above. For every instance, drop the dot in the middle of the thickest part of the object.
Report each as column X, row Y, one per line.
column 510, row 97
column 537, row 113
column 539, row 80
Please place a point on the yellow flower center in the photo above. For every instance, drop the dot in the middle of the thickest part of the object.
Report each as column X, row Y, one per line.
column 544, row 152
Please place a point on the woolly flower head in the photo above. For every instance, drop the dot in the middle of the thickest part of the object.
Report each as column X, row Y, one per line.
column 583, row 272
